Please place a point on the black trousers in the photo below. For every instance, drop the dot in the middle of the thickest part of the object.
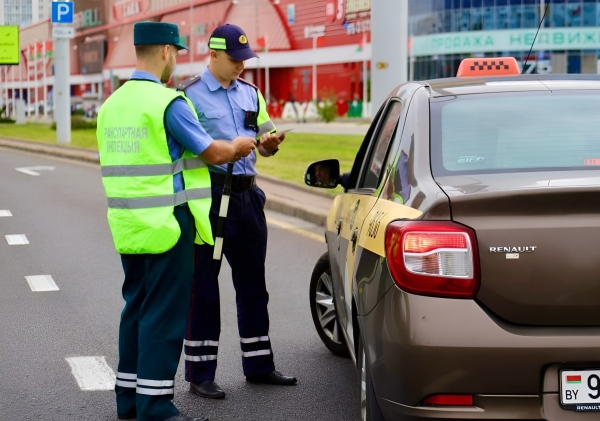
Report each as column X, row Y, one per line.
column 245, row 248
column 157, row 292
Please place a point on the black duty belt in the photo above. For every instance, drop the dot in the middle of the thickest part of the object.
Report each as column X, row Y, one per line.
column 238, row 182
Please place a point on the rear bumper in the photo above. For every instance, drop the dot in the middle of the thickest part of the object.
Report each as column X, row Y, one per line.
column 422, row 346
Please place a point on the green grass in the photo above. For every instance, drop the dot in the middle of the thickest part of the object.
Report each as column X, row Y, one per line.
column 297, row 151
column 43, row 133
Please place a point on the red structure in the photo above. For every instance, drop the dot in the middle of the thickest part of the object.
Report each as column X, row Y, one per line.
column 103, row 55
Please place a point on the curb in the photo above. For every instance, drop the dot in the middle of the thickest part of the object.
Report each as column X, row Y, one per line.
column 87, row 155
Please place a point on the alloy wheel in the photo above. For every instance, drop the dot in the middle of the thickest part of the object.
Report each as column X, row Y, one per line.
column 326, row 308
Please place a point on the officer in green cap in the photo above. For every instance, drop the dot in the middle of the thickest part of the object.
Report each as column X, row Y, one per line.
column 154, row 156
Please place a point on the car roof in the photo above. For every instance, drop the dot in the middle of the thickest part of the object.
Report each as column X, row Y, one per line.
column 521, row 83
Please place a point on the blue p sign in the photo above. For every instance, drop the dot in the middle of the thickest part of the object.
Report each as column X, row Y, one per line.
column 62, row 11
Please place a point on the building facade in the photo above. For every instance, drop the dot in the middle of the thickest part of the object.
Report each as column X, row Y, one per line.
column 446, row 31
column 307, row 49
column 24, row 12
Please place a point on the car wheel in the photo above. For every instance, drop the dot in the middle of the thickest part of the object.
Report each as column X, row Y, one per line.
column 369, row 408
column 322, row 308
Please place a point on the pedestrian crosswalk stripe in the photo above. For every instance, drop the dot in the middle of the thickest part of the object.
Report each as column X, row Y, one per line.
column 92, row 373
column 16, row 239
column 5, row 213
column 41, row 283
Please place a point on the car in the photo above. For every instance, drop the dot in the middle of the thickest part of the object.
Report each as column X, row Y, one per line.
column 462, row 273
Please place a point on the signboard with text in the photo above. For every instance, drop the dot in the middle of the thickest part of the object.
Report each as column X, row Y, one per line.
column 358, row 16
column 507, row 40
column 9, row 45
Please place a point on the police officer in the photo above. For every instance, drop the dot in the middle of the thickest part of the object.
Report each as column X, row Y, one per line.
column 228, row 106
column 154, row 155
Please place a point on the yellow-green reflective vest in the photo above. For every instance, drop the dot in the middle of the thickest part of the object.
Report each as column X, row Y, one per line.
column 137, row 171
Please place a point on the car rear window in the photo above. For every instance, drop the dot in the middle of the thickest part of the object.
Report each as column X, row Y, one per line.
column 514, row 132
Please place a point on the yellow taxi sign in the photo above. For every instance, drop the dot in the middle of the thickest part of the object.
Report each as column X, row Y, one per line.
column 9, row 45
column 488, row 66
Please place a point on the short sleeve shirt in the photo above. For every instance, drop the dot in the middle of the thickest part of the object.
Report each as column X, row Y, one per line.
column 222, row 113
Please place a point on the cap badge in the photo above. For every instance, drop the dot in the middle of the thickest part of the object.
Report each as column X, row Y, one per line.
column 243, row 39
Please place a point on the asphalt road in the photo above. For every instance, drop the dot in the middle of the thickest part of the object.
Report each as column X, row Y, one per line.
column 62, row 214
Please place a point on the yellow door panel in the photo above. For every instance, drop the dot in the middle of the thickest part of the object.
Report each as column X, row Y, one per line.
column 355, row 208
column 372, row 235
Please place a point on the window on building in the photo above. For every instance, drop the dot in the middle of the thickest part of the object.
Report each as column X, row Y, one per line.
column 558, row 15
column 516, row 16
column 531, row 16
column 489, row 23
column 465, row 24
column 502, row 17
column 589, row 14
column 476, row 19
column 573, row 15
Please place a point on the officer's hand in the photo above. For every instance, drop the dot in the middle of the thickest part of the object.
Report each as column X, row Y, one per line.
column 243, row 146
column 270, row 141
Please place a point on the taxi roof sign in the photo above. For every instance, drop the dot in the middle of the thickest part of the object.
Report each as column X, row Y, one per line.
column 488, row 66
column 9, row 45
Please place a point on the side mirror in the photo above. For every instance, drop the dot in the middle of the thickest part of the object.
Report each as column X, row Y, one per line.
column 323, row 174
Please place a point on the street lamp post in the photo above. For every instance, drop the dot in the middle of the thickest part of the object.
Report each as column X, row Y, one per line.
column 191, row 40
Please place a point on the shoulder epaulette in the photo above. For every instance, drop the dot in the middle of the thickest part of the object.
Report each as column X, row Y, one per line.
column 248, row 83
column 188, row 82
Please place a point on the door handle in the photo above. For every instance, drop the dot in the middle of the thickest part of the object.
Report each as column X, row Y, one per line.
column 338, row 227
column 353, row 239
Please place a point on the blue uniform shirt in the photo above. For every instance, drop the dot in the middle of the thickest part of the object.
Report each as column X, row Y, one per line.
column 222, row 113
column 183, row 130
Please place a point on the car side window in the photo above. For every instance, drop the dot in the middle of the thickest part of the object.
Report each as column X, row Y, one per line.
column 374, row 165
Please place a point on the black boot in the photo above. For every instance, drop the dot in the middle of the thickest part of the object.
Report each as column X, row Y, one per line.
column 207, row 389
column 274, row 377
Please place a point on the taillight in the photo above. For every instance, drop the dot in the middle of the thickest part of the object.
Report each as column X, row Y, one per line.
column 449, row 400
column 433, row 258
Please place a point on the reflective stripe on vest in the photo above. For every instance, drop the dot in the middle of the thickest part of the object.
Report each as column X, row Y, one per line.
column 155, row 169
column 158, row 201
column 137, row 171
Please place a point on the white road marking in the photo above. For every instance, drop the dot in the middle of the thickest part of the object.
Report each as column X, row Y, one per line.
column 5, row 213
column 16, row 239
column 92, row 373
column 291, row 228
column 41, row 283
column 34, row 170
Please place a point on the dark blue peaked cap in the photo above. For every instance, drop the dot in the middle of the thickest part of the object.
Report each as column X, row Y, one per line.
column 157, row 33
column 233, row 40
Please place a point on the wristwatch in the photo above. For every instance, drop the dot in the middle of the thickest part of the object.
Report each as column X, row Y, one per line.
column 275, row 151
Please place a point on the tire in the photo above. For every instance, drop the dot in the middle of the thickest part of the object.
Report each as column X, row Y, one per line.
column 369, row 408
column 322, row 308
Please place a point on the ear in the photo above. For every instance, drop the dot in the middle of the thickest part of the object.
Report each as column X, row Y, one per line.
column 213, row 55
column 165, row 52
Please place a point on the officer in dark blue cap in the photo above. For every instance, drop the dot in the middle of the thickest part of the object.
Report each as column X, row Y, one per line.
column 153, row 148
column 228, row 106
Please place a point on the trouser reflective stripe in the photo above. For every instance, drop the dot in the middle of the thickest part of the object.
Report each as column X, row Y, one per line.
column 124, row 383
column 154, row 169
column 154, row 392
column 126, row 376
column 155, row 383
column 198, row 358
column 253, row 340
column 256, row 353
column 200, row 343
column 158, row 201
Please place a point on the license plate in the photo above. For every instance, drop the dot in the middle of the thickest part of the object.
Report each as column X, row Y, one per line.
column 580, row 390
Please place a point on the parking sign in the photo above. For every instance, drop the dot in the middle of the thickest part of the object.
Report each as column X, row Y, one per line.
column 62, row 11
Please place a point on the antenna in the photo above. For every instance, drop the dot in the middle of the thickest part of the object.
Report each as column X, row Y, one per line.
column 536, row 34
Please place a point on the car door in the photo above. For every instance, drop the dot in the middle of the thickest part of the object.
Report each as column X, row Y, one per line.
column 356, row 204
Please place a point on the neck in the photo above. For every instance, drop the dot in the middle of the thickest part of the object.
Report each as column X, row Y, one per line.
column 148, row 68
column 225, row 83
